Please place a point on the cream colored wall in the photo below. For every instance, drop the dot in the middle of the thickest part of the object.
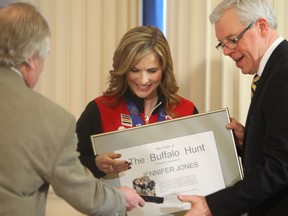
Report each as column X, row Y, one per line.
column 85, row 34
column 205, row 76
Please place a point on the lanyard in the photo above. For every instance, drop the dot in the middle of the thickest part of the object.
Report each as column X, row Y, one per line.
column 135, row 115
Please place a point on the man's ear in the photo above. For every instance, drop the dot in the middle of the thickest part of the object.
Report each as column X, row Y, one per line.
column 27, row 69
column 30, row 62
column 263, row 26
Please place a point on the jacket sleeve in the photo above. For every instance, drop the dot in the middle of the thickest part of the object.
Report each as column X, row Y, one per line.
column 76, row 184
column 88, row 124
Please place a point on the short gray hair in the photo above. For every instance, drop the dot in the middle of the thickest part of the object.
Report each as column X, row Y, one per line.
column 248, row 11
column 24, row 31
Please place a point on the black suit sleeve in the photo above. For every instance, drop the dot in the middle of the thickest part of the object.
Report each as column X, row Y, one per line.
column 88, row 124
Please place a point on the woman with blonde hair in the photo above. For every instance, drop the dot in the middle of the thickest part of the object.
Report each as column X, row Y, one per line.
column 142, row 90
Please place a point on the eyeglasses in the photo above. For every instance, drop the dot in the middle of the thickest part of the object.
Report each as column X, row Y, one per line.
column 232, row 43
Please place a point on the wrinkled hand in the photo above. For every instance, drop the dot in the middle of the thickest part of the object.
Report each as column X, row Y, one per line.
column 108, row 164
column 199, row 206
column 238, row 130
column 132, row 198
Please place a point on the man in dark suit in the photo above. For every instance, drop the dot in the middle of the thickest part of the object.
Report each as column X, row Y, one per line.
column 37, row 137
column 246, row 33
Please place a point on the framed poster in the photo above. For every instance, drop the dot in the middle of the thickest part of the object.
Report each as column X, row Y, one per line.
column 189, row 155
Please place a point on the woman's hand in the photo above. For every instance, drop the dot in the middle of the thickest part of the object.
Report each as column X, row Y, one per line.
column 108, row 163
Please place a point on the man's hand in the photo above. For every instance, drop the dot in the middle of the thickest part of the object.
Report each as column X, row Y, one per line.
column 132, row 198
column 199, row 206
column 238, row 130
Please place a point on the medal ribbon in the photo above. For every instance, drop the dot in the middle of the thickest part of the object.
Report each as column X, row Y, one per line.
column 135, row 115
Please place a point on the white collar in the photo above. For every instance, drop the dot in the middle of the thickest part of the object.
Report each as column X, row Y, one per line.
column 17, row 71
column 267, row 54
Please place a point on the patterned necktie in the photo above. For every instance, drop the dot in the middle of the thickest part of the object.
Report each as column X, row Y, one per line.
column 254, row 84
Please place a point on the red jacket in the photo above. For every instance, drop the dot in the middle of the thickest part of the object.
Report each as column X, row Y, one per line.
column 118, row 117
